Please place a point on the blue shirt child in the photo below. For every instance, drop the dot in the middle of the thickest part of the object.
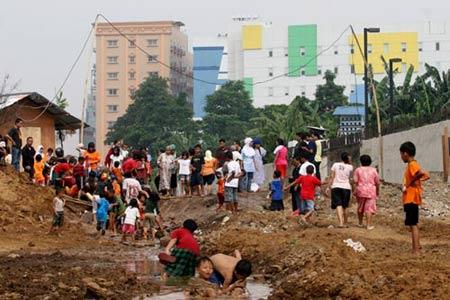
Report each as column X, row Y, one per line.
column 276, row 187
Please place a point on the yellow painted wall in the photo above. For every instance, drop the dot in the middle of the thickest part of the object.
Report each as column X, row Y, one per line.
column 251, row 37
column 395, row 40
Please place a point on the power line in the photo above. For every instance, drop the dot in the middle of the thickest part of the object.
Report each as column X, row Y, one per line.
column 77, row 59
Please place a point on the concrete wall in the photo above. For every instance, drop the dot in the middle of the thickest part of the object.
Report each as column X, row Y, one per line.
column 428, row 141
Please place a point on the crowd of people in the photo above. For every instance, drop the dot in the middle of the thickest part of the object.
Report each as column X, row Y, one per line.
column 125, row 190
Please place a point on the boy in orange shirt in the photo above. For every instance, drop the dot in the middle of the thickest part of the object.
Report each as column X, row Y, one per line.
column 412, row 192
column 92, row 157
column 38, row 166
column 220, row 190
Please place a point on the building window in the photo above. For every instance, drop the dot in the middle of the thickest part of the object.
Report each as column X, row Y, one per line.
column 404, row 67
column 270, row 91
column 153, row 74
column 420, row 46
column 112, row 92
column 132, row 75
column 132, row 44
column 352, row 49
column 152, row 58
column 302, row 72
column 112, row 108
column 369, row 48
column 270, row 53
column 111, row 124
column 112, row 60
column 336, row 70
column 302, row 51
column 286, row 91
column 438, row 46
column 131, row 59
column 352, row 69
column 113, row 43
column 319, row 70
column 303, row 93
column 286, row 52
column 152, row 43
column 270, row 72
column 132, row 91
column 113, row 75
column 386, row 48
column 403, row 47
column 336, row 52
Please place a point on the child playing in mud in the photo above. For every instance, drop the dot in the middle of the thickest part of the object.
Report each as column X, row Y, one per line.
column 58, row 209
column 151, row 213
column 202, row 286
column 39, row 166
column 412, row 192
column 232, row 181
column 231, row 273
column 367, row 184
column 101, row 214
column 184, row 248
column 276, row 192
column 131, row 216
column 308, row 185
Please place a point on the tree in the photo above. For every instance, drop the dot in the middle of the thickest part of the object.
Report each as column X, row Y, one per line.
column 228, row 111
column 61, row 101
column 156, row 118
column 330, row 95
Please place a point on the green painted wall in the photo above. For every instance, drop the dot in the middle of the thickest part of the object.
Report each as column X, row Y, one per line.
column 302, row 36
column 248, row 82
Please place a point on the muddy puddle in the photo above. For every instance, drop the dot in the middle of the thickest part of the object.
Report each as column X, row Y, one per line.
column 144, row 263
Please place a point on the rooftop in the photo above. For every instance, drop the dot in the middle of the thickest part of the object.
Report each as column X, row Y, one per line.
column 349, row 111
column 63, row 119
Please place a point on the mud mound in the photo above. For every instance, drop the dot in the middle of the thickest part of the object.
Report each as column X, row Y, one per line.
column 23, row 204
column 58, row 276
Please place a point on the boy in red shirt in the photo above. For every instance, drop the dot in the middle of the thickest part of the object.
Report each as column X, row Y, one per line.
column 308, row 185
column 185, row 248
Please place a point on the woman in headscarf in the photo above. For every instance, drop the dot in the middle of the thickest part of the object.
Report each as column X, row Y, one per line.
column 40, row 150
column 209, row 171
column 165, row 163
column 260, row 153
column 248, row 158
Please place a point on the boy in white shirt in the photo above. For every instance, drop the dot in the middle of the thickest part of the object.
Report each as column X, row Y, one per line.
column 233, row 168
column 184, row 171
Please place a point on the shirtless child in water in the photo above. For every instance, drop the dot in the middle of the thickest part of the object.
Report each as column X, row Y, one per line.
column 231, row 272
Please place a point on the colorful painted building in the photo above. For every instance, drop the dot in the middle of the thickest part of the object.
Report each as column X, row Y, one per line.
column 279, row 62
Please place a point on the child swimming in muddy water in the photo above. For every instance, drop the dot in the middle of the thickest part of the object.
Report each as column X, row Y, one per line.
column 202, row 285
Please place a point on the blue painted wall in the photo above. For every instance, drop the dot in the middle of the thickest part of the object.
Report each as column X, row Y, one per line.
column 206, row 67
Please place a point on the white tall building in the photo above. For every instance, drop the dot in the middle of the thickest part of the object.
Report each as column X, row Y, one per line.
column 279, row 62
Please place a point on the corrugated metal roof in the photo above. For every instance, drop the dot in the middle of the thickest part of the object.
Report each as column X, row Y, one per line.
column 349, row 111
column 63, row 119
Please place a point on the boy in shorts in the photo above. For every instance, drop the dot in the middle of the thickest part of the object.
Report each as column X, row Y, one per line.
column 58, row 208
column 412, row 192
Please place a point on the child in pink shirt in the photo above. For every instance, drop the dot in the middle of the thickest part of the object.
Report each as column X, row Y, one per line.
column 367, row 184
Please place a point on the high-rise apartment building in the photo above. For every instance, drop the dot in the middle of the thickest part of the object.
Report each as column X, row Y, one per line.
column 121, row 66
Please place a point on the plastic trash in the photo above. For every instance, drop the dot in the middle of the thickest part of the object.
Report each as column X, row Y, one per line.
column 357, row 246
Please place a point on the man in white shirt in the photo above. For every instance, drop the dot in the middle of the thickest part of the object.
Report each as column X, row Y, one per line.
column 233, row 168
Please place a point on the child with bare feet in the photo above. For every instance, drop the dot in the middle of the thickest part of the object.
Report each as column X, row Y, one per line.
column 367, row 189
column 412, row 192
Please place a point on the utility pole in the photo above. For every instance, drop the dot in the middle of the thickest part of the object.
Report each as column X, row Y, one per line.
column 391, row 85
column 366, row 79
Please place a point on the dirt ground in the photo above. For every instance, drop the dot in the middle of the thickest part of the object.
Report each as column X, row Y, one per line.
column 298, row 261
